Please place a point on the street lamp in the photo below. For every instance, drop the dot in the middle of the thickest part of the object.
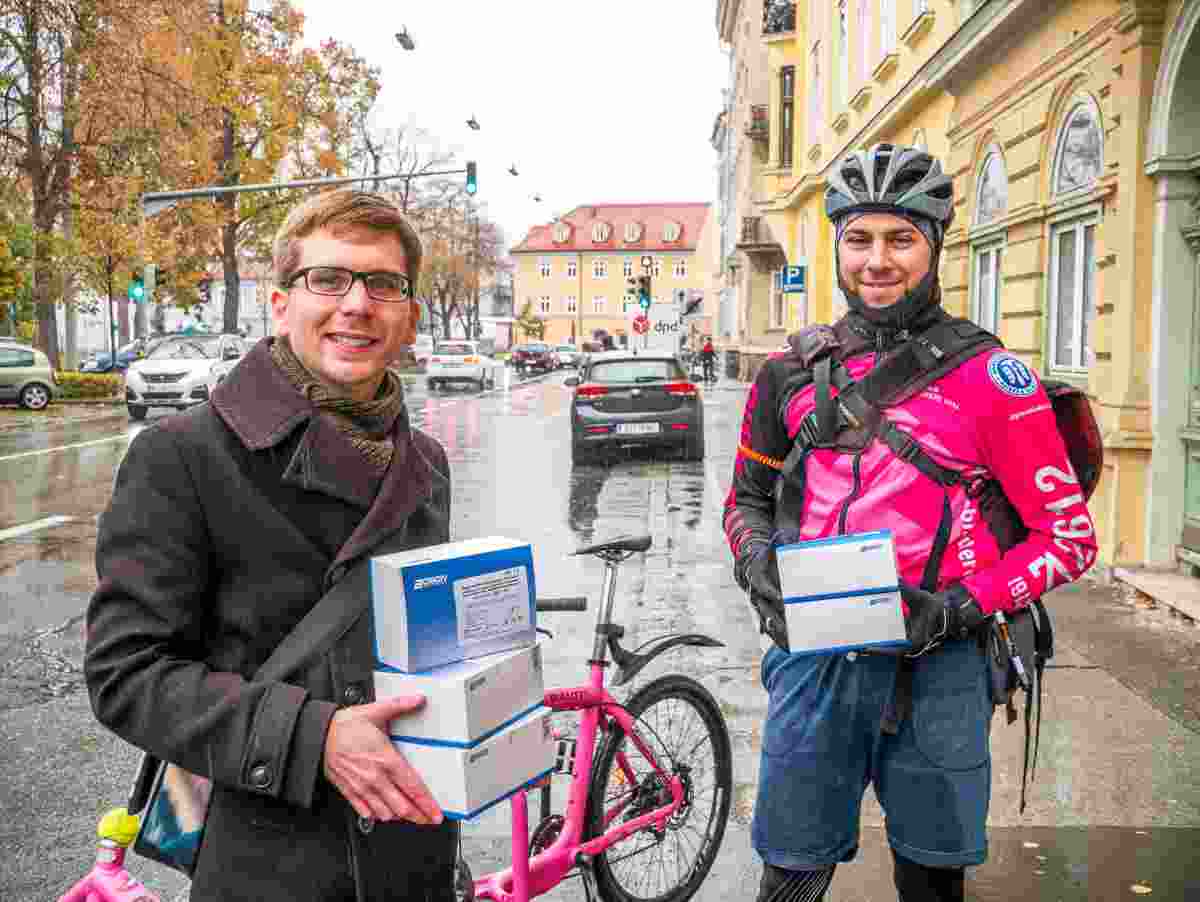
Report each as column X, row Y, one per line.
column 404, row 39
column 473, row 123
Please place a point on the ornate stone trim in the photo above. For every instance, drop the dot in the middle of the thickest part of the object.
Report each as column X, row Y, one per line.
column 886, row 68
column 918, row 30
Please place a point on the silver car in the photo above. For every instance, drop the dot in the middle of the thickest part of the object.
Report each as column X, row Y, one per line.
column 180, row 371
column 626, row 398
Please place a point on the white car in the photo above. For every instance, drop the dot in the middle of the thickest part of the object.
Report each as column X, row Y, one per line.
column 180, row 371
column 459, row 361
column 568, row 355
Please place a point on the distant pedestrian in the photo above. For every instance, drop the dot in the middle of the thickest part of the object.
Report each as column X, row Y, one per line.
column 938, row 467
column 708, row 356
column 227, row 523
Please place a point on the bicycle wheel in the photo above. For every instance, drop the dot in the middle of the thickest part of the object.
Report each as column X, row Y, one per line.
column 682, row 726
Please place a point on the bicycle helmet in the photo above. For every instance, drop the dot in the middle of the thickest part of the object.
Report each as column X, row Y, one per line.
column 901, row 181
column 889, row 178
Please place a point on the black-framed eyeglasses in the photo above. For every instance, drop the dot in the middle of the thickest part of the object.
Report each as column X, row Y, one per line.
column 336, row 282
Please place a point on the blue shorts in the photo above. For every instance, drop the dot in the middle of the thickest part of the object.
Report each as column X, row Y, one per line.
column 822, row 745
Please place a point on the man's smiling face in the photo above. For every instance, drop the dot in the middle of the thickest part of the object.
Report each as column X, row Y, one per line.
column 347, row 342
column 882, row 257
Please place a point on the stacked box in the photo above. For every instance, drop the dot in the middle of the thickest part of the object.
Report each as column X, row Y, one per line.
column 842, row 593
column 467, row 701
column 481, row 734
column 468, row 778
column 437, row 605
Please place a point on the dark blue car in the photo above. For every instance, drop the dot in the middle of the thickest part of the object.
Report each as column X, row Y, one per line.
column 102, row 361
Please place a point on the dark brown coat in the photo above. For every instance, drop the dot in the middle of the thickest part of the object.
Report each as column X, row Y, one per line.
column 226, row 524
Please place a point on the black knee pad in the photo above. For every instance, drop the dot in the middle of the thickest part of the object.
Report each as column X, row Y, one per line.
column 782, row 885
column 921, row 883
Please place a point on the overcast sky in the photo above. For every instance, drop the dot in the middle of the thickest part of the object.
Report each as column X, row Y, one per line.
column 603, row 102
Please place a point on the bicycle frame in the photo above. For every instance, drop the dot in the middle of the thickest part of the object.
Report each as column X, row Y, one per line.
column 528, row 878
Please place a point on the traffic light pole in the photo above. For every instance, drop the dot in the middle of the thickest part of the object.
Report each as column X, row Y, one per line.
column 157, row 201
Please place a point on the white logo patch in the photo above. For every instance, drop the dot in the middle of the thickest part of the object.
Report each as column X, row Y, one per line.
column 1011, row 376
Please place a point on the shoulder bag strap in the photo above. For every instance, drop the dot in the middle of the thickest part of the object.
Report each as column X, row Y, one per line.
column 325, row 623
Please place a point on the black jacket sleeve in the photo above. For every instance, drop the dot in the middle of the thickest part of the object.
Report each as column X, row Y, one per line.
column 763, row 444
column 147, row 626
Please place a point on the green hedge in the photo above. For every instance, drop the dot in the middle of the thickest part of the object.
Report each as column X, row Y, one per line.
column 89, row 385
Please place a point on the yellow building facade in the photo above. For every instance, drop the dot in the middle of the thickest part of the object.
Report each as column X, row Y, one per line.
column 574, row 273
column 1074, row 145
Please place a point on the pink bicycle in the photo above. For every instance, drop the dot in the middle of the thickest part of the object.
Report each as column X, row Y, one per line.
column 649, row 801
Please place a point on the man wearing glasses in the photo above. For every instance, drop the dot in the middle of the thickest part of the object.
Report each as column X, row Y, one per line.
column 227, row 523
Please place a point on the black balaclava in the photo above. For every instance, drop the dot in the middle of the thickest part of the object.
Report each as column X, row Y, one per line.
column 912, row 307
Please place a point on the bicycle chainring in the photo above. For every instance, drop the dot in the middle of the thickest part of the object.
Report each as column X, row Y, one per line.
column 545, row 833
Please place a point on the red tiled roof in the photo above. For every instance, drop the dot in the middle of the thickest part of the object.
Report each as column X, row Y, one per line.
column 651, row 217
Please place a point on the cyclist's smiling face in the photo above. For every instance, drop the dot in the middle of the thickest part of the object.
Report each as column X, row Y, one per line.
column 882, row 257
column 347, row 342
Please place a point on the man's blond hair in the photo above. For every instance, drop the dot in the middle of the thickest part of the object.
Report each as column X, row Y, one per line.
column 339, row 211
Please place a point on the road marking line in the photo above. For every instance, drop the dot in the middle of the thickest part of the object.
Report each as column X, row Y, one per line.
column 13, row 531
column 100, row 441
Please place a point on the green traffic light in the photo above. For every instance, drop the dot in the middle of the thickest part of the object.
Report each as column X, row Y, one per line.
column 472, row 181
column 137, row 290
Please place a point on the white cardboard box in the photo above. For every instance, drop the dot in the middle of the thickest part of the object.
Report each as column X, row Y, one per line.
column 468, row 700
column 842, row 593
column 468, row 778
column 436, row 605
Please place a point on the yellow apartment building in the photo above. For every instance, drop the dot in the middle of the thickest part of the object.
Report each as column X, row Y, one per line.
column 1074, row 144
column 574, row 272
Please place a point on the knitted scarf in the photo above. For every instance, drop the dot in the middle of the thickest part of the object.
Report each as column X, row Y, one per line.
column 366, row 424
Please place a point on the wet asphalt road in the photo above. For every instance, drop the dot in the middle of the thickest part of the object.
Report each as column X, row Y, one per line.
column 1114, row 814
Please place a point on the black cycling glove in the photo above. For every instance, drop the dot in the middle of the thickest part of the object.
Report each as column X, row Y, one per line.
column 934, row 617
column 757, row 571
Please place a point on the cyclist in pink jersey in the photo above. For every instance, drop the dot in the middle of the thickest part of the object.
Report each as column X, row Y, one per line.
column 991, row 519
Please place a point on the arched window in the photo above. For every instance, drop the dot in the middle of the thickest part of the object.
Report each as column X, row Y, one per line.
column 1079, row 152
column 991, row 199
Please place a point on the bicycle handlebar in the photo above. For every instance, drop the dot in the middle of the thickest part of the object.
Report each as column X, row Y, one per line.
column 572, row 603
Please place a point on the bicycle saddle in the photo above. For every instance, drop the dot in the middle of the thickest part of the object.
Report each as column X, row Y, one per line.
column 629, row 544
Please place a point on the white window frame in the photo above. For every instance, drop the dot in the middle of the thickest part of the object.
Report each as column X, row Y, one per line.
column 986, row 311
column 600, row 268
column 545, row 268
column 887, row 27
column 627, row 267
column 572, row 304
column 777, row 306
column 1079, row 363
column 598, row 304
column 572, row 269
column 679, row 270
column 544, row 304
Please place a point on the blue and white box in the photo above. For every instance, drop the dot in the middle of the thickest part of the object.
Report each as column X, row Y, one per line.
column 467, row 701
column 466, row 779
column 842, row 593
column 445, row 603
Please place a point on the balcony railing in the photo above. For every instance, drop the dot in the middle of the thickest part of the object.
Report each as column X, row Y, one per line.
column 759, row 127
column 759, row 244
column 778, row 17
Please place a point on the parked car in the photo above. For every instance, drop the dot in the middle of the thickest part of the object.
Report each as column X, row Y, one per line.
column 625, row 398
column 568, row 355
column 181, row 371
column 25, row 375
column 534, row 357
column 459, row 361
column 422, row 350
